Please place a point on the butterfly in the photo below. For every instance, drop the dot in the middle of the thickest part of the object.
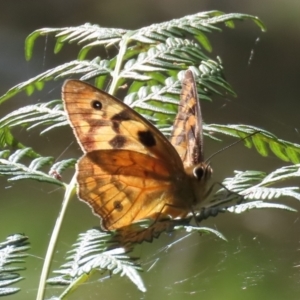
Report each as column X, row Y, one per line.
column 130, row 171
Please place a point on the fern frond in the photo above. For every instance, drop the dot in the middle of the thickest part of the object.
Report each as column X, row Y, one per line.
column 59, row 167
column 162, row 58
column 194, row 25
column 262, row 140
column 209, row 73
column 97, row 250
column 160, row 101
column 35, row 115
column 93, row 68
column 243, row 207
column 283, row 173
column 95, row 35
column 253, row 185
column 94, row 251
column 12, row 251
column 185, row 53
column 251, row 190
column 79, row 34
column 10, row 165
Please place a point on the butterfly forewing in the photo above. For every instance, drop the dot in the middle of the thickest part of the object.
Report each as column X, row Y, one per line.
column 187, row 136
column 101, row 121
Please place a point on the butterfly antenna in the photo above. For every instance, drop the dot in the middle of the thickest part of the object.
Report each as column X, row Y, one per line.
column 226, row 147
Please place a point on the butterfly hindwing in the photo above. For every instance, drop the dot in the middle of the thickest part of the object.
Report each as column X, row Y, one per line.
column 125, row 186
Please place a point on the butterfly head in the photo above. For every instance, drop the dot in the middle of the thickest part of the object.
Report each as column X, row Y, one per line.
column 199, row 175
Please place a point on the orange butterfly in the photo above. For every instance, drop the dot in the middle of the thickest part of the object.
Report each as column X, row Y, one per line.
column 129, row 170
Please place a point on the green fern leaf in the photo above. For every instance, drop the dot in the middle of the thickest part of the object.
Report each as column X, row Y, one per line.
column 79, row 34
column 93, row 68
column 261, row 139
column 61, row 166
column 195, row 25
column 12, row 251
column 90, row 254
column 254, row 185
column 244, row 207
column 11, row 166
column 39, row 114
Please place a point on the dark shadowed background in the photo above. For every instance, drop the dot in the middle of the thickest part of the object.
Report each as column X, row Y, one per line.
column 260, row 259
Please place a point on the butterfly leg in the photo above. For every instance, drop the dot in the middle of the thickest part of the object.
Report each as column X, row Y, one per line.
column 141, row 231
column 216, row 207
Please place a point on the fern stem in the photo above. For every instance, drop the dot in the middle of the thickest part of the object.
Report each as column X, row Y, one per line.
column 53, row 240
column 120, row 56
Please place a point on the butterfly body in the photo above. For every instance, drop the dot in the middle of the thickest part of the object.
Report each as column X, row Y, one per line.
column 130, row 171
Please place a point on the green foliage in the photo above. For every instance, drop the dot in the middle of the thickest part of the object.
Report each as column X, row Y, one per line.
column 98, row 251
column 31, row 116
column 262, row 140
column 12, row 251
column 149, row 65
column 249, row 186
column 94, row 251
column 11, row 166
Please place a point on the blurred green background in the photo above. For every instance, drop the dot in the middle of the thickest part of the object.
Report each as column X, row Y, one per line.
column 260, row 259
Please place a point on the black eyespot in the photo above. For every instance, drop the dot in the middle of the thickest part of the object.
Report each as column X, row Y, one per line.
column 118, row 206
column 96, row 104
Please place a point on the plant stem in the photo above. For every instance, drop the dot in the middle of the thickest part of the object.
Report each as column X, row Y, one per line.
column 120, row 57
column 54, row 237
